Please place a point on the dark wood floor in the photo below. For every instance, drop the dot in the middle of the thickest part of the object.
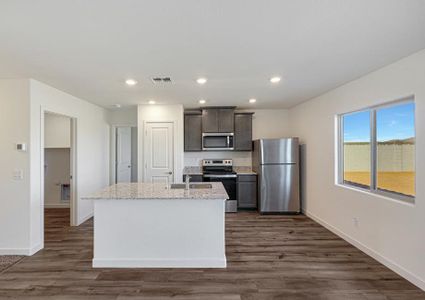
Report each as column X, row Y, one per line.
column 269, row 257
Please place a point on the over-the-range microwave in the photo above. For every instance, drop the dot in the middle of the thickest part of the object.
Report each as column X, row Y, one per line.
column 217, row 141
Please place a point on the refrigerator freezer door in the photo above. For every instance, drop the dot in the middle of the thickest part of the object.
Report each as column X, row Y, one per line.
column 278, row 151
column 279, row 188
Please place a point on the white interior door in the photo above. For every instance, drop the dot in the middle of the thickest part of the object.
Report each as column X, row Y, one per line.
column 159, row 152
column 123, row 152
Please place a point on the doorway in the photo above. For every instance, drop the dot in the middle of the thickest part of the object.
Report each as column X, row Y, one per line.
column 159, row 152
column 125, row 154
column 58, row 162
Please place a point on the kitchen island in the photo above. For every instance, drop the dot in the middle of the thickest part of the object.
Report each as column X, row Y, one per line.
column 154, row 225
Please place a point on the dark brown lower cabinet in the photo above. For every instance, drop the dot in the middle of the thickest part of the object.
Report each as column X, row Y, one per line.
column 193, row 178
column 247, row 191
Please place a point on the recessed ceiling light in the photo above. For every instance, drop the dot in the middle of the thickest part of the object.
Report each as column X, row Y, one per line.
column 252, row 100
column 201, row 80
column 151, row 102
column 202, row 101
column 275, row 79
column 117, row 105
column 131, row 82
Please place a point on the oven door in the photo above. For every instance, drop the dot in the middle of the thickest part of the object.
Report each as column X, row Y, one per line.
column 217, row 141
column 229, row 183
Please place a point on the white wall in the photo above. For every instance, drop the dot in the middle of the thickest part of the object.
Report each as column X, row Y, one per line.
column 266, row 123
column 126, row 116
column 57, row 133
column 162, row 113
column 134, row 154
column 22, row 103
column 14, row 194
column 270, row 123
column 389, row 230
column 92, row 149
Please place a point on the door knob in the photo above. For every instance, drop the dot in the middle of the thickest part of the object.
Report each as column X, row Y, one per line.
column 170, row 173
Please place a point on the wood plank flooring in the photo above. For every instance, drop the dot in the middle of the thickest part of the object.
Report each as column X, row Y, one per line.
column 6, row 261
column 269, row 257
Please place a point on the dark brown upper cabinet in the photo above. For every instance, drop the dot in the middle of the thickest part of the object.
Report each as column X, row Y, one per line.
column 243, row 132
column 193, row 131
column 218, row 119
column 226, row 121
column 210, row 120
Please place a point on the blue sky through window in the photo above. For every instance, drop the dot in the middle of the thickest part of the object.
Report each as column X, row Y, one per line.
column 357, row 127
column 392, row 123
column 395, row 122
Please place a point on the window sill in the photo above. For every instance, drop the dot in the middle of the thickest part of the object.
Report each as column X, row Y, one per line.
column 403, row 199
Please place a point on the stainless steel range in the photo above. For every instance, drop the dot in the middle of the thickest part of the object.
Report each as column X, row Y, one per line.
column 221, row 170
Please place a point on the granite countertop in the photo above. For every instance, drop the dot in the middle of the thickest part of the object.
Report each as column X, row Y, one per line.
column 140, row 191
column 192, row 171
column 243, row 170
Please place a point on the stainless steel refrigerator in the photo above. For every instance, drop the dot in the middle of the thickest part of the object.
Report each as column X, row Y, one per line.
column 276, row 162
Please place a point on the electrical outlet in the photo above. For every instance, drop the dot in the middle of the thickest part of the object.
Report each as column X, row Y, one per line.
column 18, row 174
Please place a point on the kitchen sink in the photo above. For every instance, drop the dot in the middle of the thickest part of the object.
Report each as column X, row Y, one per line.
column 191, row 186
column 200, row 186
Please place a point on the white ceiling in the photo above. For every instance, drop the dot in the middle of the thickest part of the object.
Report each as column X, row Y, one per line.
column 89, row 47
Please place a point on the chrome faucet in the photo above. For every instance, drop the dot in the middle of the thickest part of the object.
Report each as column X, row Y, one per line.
column 187, row 182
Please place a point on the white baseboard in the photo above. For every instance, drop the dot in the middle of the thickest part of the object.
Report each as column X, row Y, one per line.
column 21, row 251
column 35, row 249
column 159, row 263
column 416, row 280
column 82, row 220
column 14, row 251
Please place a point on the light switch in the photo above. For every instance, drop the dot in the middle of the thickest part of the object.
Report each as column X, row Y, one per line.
column 18, row 174
column 21, row 147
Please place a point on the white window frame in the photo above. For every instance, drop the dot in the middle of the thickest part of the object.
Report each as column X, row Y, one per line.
column 373, row 152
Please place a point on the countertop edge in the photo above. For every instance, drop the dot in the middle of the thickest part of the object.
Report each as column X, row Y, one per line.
column 174, row 199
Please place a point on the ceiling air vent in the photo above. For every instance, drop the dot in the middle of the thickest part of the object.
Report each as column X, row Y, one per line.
column 157, row 80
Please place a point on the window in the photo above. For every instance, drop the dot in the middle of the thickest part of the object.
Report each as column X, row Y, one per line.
column 395, row 135
column 377, row 149
column 357, row 148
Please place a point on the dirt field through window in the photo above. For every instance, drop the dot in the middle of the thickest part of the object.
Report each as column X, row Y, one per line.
column 400, row 182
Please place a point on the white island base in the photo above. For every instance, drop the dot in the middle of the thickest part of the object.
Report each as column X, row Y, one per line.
column 159, row 233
